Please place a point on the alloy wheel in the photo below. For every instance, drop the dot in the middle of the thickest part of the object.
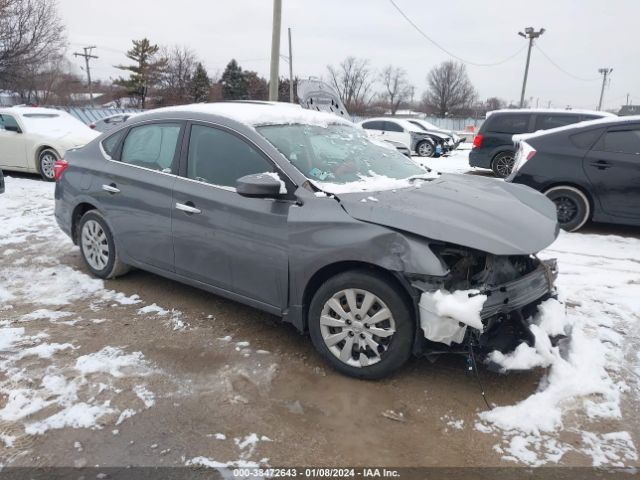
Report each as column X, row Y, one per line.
column 47, row 162
column 95, row 246
column 504, row 165
column 357, row 327
column 566, row 208
column 425, row 149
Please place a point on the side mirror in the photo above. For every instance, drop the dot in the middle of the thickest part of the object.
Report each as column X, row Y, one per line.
column 12, row 128
column 260, row 185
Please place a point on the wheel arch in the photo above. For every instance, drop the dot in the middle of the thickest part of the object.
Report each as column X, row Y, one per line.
column 336, row 268
column 39, row 150
column 576, row 186
column 78, row 211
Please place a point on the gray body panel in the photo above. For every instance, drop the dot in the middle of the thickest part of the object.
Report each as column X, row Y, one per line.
column 476, row 212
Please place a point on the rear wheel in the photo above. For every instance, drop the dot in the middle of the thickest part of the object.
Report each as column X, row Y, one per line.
column 503, row 164
column 572, row 205
column 425, row 149
column 98, row 247
column 361, row 325
column 46, row 161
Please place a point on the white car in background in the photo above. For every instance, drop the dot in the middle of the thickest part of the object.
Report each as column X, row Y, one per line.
column 32, row 139
column 430, row 127
column 425, row 144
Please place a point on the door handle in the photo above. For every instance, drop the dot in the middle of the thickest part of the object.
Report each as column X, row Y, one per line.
column 188, row 208
column 601, row 164
column 110, row 188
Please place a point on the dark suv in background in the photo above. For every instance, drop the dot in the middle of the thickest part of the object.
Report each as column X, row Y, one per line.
column 493, row 146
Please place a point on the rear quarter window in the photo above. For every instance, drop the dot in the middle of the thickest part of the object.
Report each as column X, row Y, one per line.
column 509, row 123
column 586, row 139
column 110, row 144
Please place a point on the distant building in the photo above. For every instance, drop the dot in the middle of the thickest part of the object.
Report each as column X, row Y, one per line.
column 8, row 99
column 629, row 110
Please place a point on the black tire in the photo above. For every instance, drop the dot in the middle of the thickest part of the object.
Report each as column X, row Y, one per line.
column 425, row 149
column 573, row 207
column 113, row 266
column 46, row 160
column 502, row 164
column 394, row 350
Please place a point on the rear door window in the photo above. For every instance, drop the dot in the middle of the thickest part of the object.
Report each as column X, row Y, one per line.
column 622, row 141
column 373, row 125
column 110, row 144
column 586, row 139
column 392, row 127
column 549, row 120
column 510, row 123
column 152, row 146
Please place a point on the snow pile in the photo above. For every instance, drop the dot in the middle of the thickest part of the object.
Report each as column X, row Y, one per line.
column 246, row 446
column 589, row 380
column 114, row 362
column 444, row 316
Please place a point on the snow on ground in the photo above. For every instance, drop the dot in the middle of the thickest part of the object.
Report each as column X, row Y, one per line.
column 49, row 385
column 584, row 388
column 49, row 382
column 456, row 162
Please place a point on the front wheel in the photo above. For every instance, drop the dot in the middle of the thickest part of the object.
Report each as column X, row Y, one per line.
column 46, row 161
column 98, row 247
column 572, row 206
column 361, row 325
column 503, row 164
column 425, row 149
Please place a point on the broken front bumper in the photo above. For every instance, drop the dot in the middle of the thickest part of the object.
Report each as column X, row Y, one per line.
column 493, row 317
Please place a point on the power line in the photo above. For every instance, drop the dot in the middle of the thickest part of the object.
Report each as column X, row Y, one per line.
column 562, row 69
column 87, row 55
column 436, row 44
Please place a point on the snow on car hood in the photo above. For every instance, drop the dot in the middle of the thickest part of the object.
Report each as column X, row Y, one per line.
column 475, row 212
column 76, row 139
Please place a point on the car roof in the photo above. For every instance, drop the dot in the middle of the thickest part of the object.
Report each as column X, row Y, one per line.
column 35, row 110
column 253, row 113
column 552, row 110
column 600, row 122
column 402, row 121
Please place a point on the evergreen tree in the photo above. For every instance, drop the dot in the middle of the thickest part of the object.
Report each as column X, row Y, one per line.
column 234, row 82
column 200, row 84
column 145, row 73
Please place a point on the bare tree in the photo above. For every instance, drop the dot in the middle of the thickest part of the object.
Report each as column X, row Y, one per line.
column 397, row 87
column 450, row 89
column 353, row 79
column 30, row 34
column 494, row 103
column 175, row 83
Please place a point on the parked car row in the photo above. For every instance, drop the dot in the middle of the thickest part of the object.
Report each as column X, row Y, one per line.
column 416, row 135
column 493, row 145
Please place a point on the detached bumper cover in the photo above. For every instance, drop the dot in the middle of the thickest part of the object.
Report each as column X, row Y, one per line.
column 521, row 292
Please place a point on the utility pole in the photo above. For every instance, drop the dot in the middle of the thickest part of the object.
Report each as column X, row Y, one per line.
column 531, row 34
column 87, row 56
column 627, row 99
column 605, row 73
column 290, row 70
column 275, row 50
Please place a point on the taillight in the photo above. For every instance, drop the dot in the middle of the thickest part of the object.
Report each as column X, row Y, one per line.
column 92, row 125
column 59, row 167
column 525, row 153
column 477, row 141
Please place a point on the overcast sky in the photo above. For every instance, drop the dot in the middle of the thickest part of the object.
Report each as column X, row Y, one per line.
column 581, row 36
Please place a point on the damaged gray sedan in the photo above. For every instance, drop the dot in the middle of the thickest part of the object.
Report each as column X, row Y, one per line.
column 300, row 214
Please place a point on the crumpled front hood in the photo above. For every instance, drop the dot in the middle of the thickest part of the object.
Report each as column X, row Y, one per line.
column 476, row 212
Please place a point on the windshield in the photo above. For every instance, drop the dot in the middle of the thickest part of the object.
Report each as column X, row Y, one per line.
column 339, row 157
column 52, row 123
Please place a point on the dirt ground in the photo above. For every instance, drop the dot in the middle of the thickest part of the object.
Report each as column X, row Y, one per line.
column 217, row 367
